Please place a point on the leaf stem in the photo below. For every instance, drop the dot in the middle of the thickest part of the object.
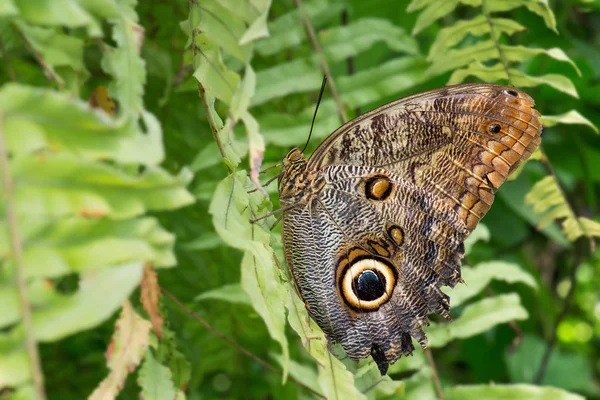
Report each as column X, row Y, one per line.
column 17, row 251
column 234, row 344
column 211, row 120
column 47, row 70
column 213, row 124
column 539, row 376
column 436, row 377
column 322, row 61
column 9, row 68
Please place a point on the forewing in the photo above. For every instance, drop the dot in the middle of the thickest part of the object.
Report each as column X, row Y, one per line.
column 458, row 143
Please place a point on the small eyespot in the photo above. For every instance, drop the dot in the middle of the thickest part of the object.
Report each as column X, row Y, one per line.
column 367, row 284
column 494, row 128
column 378, row 188
column 397, row 234
column 511, row 92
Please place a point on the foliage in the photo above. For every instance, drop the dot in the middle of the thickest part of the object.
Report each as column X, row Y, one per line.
column 112, row 100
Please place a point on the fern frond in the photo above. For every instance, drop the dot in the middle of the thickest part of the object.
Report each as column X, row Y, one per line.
column 550, row 204
column 498, row 72
column 478, row 26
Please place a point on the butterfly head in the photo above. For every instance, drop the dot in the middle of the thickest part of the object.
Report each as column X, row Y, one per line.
column 296, row 182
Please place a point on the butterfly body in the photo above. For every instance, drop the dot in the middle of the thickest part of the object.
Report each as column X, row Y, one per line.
column 375, row 220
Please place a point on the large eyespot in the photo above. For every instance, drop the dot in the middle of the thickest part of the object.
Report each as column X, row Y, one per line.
column 511, row 92
column 367, row 284
column 378, row 188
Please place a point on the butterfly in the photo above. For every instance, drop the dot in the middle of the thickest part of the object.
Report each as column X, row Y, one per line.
column 373, row 223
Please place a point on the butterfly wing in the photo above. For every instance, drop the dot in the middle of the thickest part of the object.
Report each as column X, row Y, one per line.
column 460, row 142
column 378, row 215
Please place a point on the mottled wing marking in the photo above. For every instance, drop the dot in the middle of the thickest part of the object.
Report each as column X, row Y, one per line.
column 442, row 141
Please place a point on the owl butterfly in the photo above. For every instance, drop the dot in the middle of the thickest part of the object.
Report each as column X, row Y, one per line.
column 374, row 221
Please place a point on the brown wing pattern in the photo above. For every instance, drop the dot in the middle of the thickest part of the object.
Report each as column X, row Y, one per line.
column 460, row 142
column 376, row 218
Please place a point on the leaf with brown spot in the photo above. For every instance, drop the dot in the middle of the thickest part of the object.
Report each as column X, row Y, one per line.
column 124, row 353
column 149, row 297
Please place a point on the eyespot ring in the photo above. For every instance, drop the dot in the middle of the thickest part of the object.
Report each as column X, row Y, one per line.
column 367, row 284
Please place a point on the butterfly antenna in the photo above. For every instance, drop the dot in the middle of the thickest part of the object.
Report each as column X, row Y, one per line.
column 312, row 124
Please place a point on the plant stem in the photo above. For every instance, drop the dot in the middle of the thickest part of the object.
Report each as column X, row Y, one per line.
column 47, row 70
column 539, row 376
column 234, row 344
column 322, row 61
column 17, row 251
column 436, row 377
column 11, row 71
column 496, row 41
column 211, row 120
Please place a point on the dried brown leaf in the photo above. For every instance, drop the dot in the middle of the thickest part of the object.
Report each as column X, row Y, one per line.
column 124, row 353
column 149, row 297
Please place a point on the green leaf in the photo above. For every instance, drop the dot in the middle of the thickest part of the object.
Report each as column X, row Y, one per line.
column 369, row 381
column 433, row 11
column 339, row 43
column 513, row 392
column 90, row 306
column 522, row 53
column 8, row 8
column 570, row 117
column 54, row 47
column 124, row 62
column 300, row 372
column 481, row 232
column 232, row 207
column 479, row 277
column 69, row 13
column 488, row 50
column 258, row 28
column 80, row 245
column 335, row 381
column 539, row 7
column 206, row 241
column 518, row 78
column 64, row 186
column 224, row 28
column 549, row 204
column 287, row 30
column 232, row 293
column 420, row 385
column 242, row 97
column 36, row 119
column 478, row 318
column 565, row 370
column 296, row 76
column 14, row 363
column 478, row 26
column 515, row 197
column 208, row 157
column 215, row 77
column 155, row 379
